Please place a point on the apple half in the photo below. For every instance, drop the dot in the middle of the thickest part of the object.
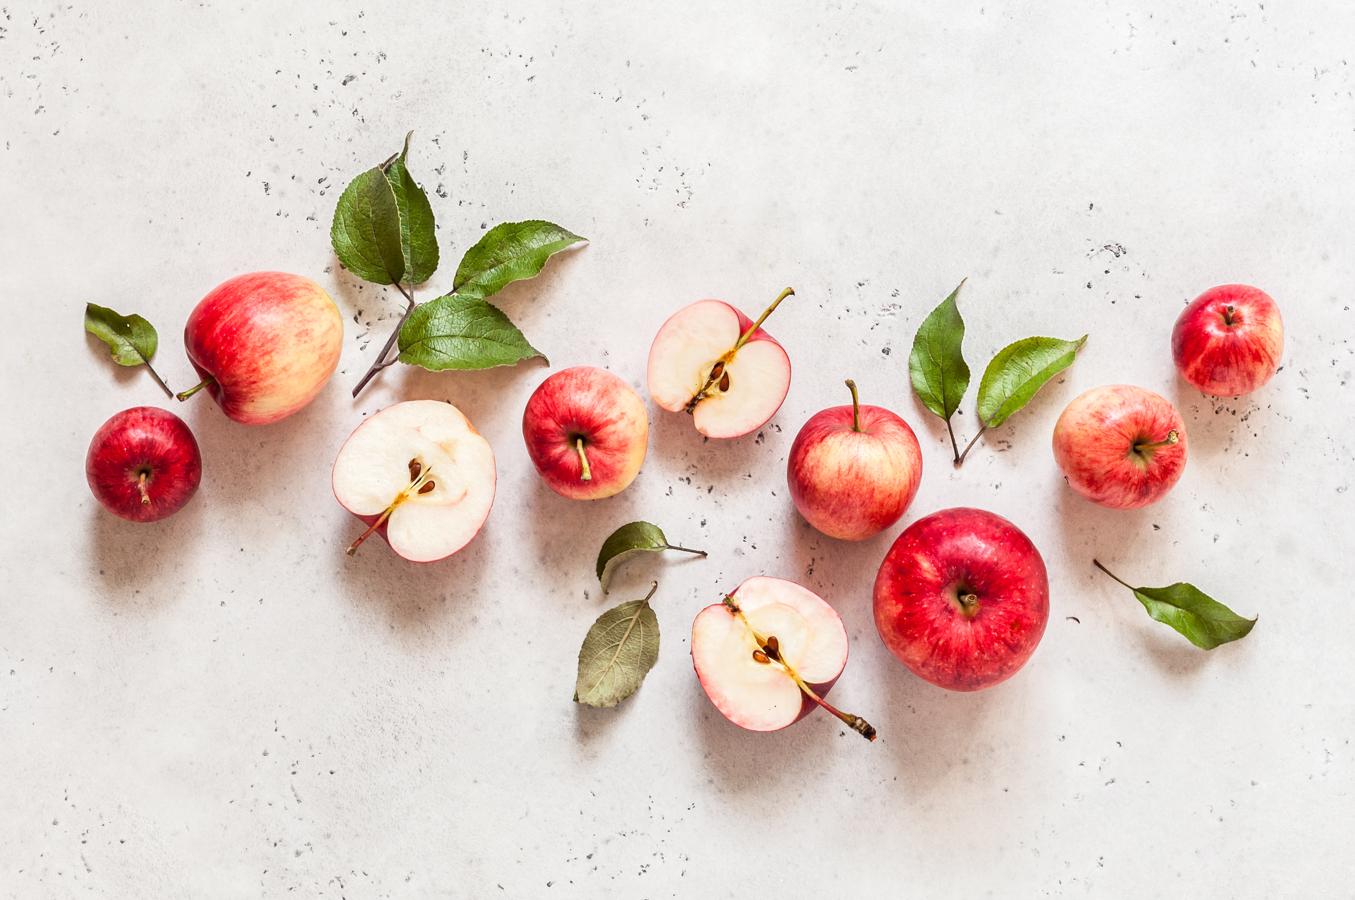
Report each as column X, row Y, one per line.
column 768, row 654
column 420, row 475
column 712, row 361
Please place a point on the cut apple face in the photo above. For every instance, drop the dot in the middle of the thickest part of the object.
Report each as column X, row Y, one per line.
column 748, row 651
column 712, row 361
column 419, row 474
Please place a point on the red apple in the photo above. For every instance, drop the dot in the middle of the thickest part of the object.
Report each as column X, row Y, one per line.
column 962, row 599
column 854, row 469
column 1121, row 446
column 586, row 432
column 1228, row 341
column 143, row 464
column 264, row 344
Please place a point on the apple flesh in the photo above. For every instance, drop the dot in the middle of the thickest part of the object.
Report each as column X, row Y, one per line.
column 962, row 599
column 586, row 432
column 1228, row 341
column 854, row 469
column 420, row 475
column 712, row 361
column 769, row 653
column 1121, row 446
column 143, row 464
column 264, row 344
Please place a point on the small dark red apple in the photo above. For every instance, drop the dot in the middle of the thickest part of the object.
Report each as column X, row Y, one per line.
column 1228, row 341
column 962, row 598
column 143, row 464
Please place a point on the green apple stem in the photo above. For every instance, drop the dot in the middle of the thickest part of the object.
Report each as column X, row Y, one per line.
column 959, row 460
column 752, row 329
column 1098, row 565
column 1171, row 438
column 856, row 406
column 718, row 375
column 587, row 473
column 420, row 481
column 184, row 395
column 381, row 360
column 770, row 654
column 141, row 480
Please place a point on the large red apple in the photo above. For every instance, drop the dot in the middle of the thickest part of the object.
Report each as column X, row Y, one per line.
column 586, row 432
column 143, row 464
column 264, row 344
column 962, row 598
column 854, row 469
column 1228, row 341
column 1121, row 446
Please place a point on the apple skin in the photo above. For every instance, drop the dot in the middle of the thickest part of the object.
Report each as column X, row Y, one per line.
column 921, row 618
column 150, row 441
column 853, row 484
column 1229, row 340
column 268, row 341
column 595, row 405
column 1095, row 441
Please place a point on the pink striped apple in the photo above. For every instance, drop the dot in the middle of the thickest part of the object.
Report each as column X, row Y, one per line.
column 1228, row 341
column 1121, row 446
column 586, row 432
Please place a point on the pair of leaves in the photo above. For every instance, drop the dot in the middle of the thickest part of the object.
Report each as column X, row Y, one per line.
column 940, row 375
column 629, row 540
column 383, row 229
column 131, row 340
column 1203, row 621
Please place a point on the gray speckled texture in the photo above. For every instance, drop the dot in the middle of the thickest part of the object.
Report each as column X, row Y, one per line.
column 224, row 705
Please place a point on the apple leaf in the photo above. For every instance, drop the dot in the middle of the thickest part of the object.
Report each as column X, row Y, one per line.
column 418, row 239
column 618, row 652
column 936, row 365
column 628, row 540
column 1204, row 621
column 458, row 332
column 1018, row 371
column 131, row 339
column 366, row 233
column 510, row 252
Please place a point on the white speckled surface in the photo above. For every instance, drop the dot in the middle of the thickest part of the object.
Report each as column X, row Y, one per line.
column 224, row 705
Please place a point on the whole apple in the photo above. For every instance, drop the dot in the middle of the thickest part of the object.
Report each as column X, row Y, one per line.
column 1121, row 446
column 962, row 599
column 1229, row 340
column 143, row 464
column 264, row 344
column 854, row 469
column 586, row 432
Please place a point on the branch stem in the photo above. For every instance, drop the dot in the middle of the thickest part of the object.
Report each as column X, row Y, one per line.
column 684, row 549
column 954, row 444
column 381, row 361
column 970, row 446
column 1098, row 565
column 156, row 375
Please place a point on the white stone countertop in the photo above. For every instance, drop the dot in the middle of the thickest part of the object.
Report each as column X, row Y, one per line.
column 224, row 705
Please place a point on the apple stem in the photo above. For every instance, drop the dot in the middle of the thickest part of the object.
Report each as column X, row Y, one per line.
column 959, row 460
column 141, row 486
column 381, row 361
column 954, row 444
column 184, row 395
column 769, row 653
column 417, row 482
column 1098, row 565
column 587, row 474
column 718, row 375
column 684, row 549
column 752, row 329
column 1171, row 438
column 1228, row 316
column 156, row 375
column 856, row 406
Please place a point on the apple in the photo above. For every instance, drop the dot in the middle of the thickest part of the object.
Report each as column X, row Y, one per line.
column 1228, row 341
column 264, row 344
column 586, row 432
column 719, row 366
column 769, row 653
column 854, row 469
column 962, row 599
column 143, row 464
column 419, row 474
column 1121, row 446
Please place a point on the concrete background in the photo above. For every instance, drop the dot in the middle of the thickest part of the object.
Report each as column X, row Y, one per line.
column 224, row 705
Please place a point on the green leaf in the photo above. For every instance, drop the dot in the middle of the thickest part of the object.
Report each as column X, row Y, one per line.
column 418, row 240
column 131, row 339
column 456, row 332
column 936, row 366
column 1018, row 371
column 1204, row 621
column 510, row 252
column 628, row 540
column 366, row 230
column 618, row 652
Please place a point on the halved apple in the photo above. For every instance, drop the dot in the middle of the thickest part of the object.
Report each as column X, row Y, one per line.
column 420, row 475
column 769, row 653
column 712, row 361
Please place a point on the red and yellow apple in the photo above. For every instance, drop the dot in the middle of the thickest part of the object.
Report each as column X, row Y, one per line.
column 854, row 469
column 586, row 432
column 1121, row 446
column 962, row 599
column 143, row 464
column 1229, row 340
column 264, row 344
